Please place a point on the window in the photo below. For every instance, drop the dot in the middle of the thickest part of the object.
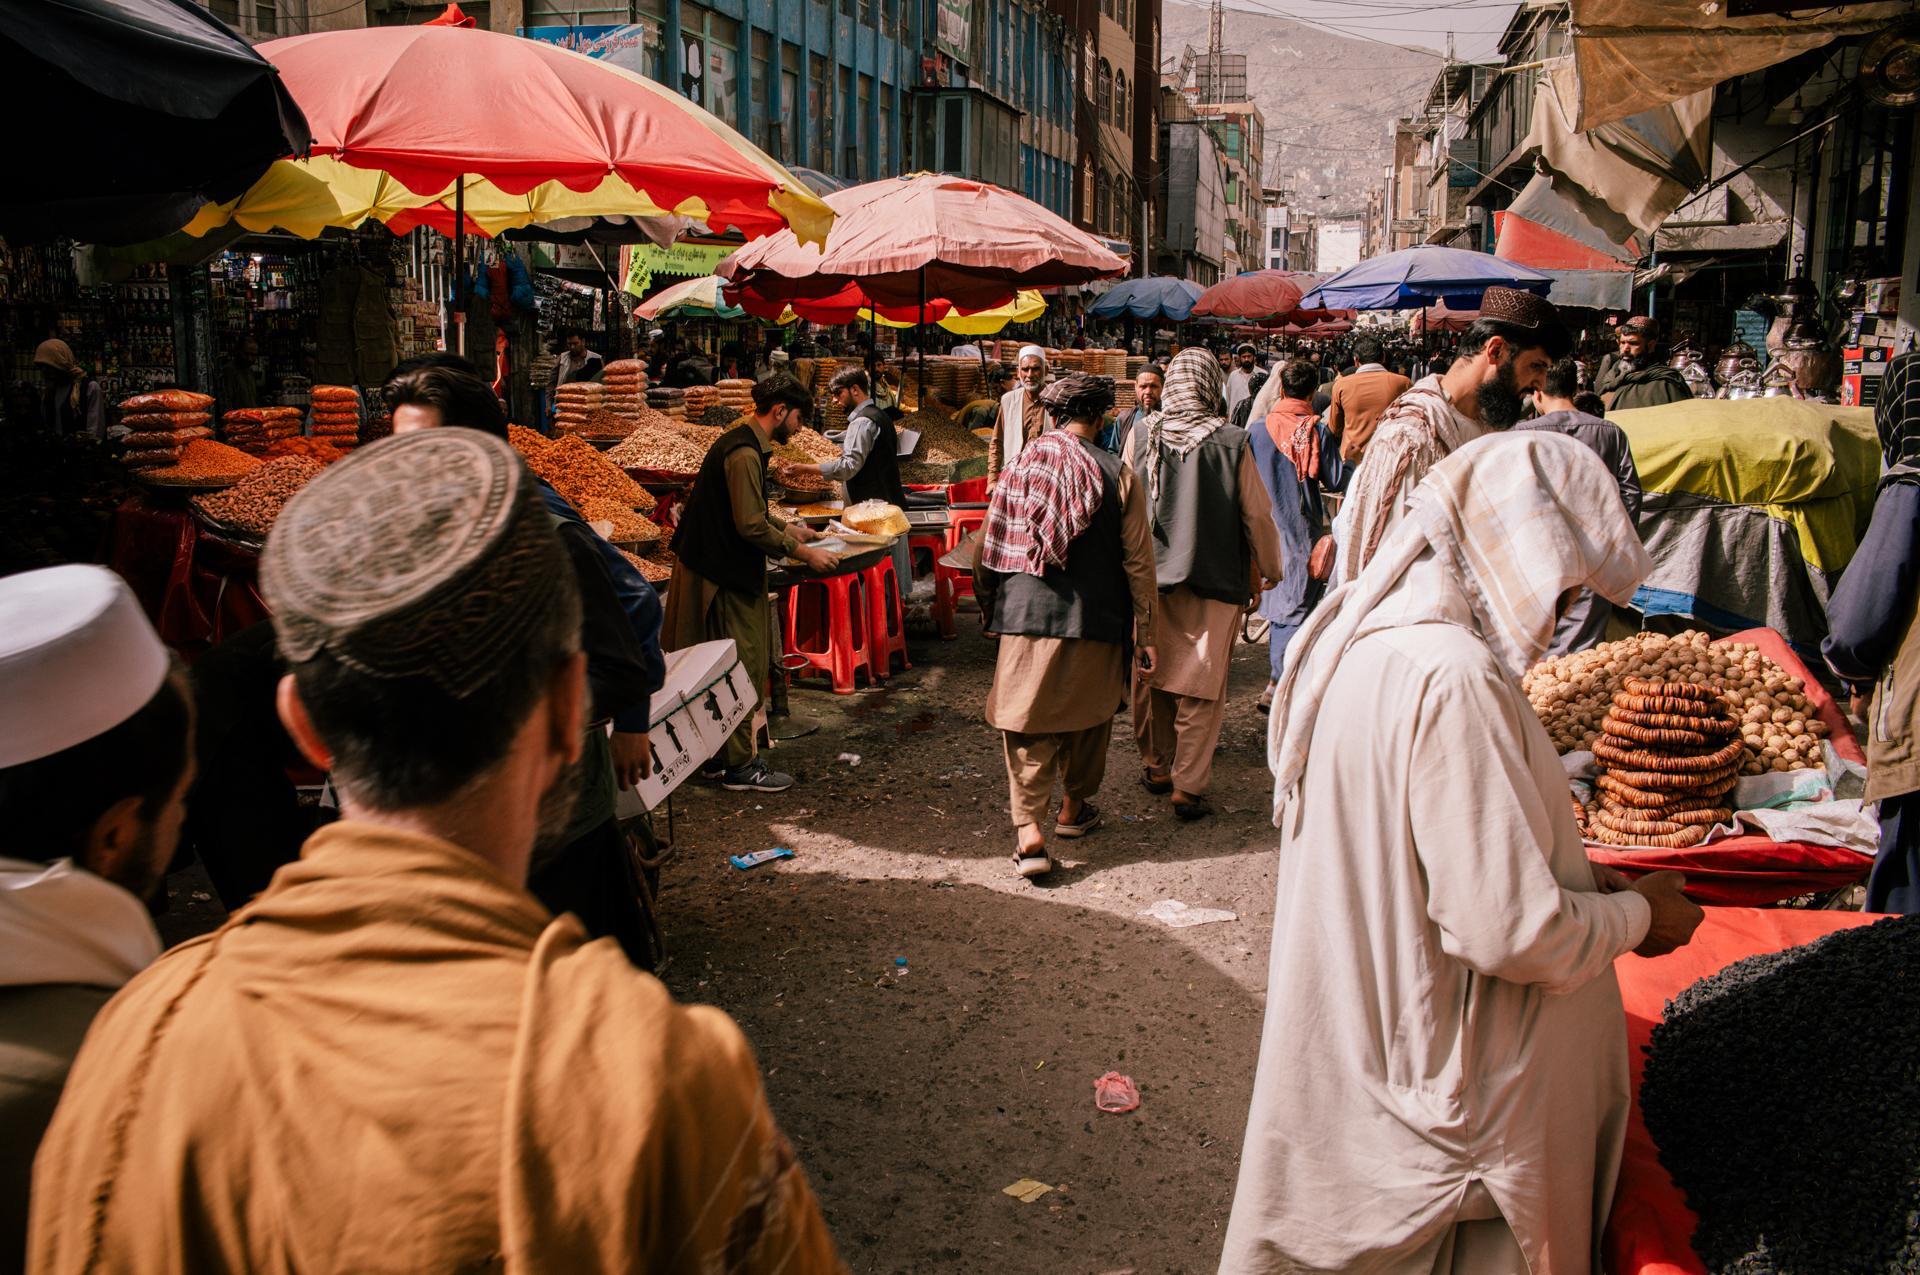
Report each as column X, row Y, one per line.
column 759, row 105
column 863, row 168
column 866, row 13
column 228, row 11
column 1120, row 99
column 819, row 113
column 266, row 17
column 1100, row 203
column 844, row 122
column 846, row 8
column 890, row 18
column 791, row 142
column 1277, row 238
column 723, row 68
column 883, row 149
column 1103, row 90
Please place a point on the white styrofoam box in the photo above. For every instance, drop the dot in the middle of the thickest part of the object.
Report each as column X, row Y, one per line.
column 706, row 694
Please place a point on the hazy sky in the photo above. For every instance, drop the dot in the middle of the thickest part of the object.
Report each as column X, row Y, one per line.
column 1476, row 24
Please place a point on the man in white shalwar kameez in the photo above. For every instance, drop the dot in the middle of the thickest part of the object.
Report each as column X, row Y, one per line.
column 1442, row 1085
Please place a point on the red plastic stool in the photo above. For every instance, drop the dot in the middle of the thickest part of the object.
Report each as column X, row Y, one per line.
column 934, row 542
column 886, row 618
column 968, row 491
column 828, row 629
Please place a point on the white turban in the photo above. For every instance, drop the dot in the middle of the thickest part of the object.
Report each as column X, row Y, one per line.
column 1031, row 352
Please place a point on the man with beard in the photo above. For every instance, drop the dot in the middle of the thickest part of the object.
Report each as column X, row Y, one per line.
column 1240, row 387
column 1021, row 418
column 1636, row 376
column 726, row 535
column 1503, row 356
column 96, row 755
column 394, row 1058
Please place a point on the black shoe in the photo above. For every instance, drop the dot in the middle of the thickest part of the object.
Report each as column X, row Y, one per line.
column 1191, row 810
column 755, row 776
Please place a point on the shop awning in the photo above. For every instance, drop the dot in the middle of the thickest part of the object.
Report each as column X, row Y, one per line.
column 1632, row 55
column 1745, row 237
column 1593, row 289
column 681, row 260
column 1640, row 168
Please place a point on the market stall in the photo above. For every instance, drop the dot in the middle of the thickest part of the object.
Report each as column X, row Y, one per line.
column 1736, row 864
column 1752, row 508
column 1650, row 1228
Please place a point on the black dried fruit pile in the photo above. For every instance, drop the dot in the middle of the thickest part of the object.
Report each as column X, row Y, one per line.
column 1784, row 1096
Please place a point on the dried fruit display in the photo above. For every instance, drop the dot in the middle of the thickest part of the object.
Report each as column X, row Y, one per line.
column 203, row 461
column 313, row 448
column 629, row 527
column 528, row 442
column 252, row 504
column 580, row 472
column 656, row 570
column 812, row 445
column 1669, row 795
column 1574, row 696
column 1739, row 1095
column 942, row 441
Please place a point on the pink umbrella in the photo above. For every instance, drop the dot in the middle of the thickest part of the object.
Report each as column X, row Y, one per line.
column 907, row 241
column 1442, row 318
column 1257, row 295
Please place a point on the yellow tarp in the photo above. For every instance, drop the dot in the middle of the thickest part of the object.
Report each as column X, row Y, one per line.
column 1813, row 465
column 1026, row 306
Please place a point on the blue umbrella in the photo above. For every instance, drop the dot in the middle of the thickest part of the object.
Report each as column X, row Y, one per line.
column 1152, row 297
column 1422, row 276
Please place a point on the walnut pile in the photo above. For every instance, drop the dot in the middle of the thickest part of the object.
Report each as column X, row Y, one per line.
column 1779, row 725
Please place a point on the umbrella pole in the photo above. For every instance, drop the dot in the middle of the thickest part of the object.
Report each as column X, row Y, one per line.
column 920, row 329
column 460, row 267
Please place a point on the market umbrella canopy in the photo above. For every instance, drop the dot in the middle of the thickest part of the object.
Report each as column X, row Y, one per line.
column 131, row 114
column 697, row 298
column 927, row 235
column 1024, row 308
column 1255, row 295
column 1420, row 276
column 1150, row 297
column 378, row 99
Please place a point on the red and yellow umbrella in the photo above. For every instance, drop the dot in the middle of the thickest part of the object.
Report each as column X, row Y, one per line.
column 552, row 134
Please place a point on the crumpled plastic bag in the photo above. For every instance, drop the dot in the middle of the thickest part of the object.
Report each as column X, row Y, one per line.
column 1115, row 1093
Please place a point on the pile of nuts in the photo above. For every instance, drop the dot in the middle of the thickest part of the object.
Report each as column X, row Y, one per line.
column 656, row 570
column 628, row 527
column 579, row 472
column 252, row 504
column 1572, row 694
column 657, row 443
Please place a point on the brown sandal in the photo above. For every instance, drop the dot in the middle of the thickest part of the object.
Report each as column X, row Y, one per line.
column 1158, row 787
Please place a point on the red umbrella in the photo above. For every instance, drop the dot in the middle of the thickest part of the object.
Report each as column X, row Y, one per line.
column 1255, row 295
column 379, row 98
column 909, row 240
column 845, row 306
column 1441, row 318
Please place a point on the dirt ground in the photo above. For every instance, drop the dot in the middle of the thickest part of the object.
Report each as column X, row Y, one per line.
column 915, row 1093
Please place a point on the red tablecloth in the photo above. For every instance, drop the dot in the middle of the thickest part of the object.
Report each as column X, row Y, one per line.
column 1651, row 1229
column 196, row 588
column 1753, row 870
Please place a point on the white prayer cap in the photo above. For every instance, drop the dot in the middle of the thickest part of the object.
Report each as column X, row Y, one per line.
column 779, row 358
column 77, row 658
column 1031, row 352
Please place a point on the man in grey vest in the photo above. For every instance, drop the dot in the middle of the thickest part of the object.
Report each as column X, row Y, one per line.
column 1211, row 534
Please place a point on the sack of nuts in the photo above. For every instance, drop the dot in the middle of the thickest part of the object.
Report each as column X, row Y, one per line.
column 1669, row 754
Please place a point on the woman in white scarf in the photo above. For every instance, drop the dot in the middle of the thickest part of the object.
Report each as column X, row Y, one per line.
column 1442, row 1084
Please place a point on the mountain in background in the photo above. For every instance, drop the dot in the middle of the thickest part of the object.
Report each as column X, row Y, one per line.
column 1329, row 100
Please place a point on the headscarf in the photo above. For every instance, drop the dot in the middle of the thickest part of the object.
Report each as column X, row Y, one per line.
column 1192, row 408
column 1013, row 409
column 1410, row 438
column 1897, row 415
column 58, row 355
column 1077, row 397
column 1496, row 533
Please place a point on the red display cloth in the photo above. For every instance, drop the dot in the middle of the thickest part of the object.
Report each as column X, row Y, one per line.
column 196, row 588
column 1748, row 871
column 1650, row 1231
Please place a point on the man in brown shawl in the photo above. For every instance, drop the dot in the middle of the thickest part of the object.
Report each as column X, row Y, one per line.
column 394, row 1058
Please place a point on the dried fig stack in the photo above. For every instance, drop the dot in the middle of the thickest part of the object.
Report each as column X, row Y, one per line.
column 1669, row 754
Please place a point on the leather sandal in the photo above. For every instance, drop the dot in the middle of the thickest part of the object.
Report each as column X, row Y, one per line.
column 1030, row 865
column 1191, row 810
column 1089, row 820
column 1158, row 787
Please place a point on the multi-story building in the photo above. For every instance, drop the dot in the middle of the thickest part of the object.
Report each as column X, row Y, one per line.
column 1409, row 184
column 1216, row 87
column 1116, row 134
column 1190, row 208
column 1458, row 164
column 1289, row 243
column 995, row 97
column 1340, row 240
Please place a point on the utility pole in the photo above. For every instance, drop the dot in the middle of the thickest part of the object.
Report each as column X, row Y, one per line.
column 1216, row 46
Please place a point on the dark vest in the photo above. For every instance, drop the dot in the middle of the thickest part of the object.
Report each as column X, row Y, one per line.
column 879, row 478
column 1087, row 597
column 706, row 540
column 1198, row 537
